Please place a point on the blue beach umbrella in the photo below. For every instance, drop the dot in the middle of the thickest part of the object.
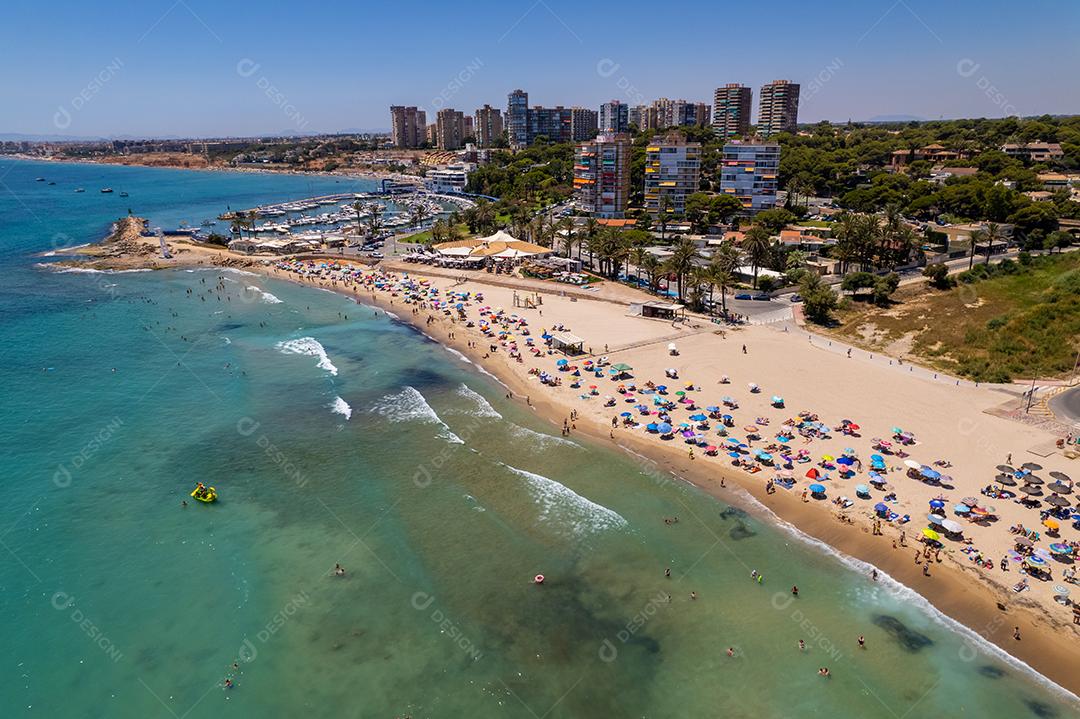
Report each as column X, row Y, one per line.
column 698, row 417
column 817, row 488
column 876, row 458
column 881, row 507
column 664, row 428
column 936, row 504
column 562, row 362
column 961, row 509
column 733, row 454
column 625, row 414
column 862, row 489
column 845, row 460
column 651, row 426
column 712, row 408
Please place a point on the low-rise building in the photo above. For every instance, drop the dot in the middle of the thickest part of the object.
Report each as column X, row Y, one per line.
column 1034, row 151
column 450, row 179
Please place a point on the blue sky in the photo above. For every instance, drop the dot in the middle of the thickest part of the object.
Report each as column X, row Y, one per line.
column 202, row 68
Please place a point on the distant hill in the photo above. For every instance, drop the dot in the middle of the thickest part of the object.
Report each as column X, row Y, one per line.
column 896, row 118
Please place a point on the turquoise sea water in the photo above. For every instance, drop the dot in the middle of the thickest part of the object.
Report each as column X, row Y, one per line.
column 336, row 435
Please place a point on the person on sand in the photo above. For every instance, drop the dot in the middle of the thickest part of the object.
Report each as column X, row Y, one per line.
column 926, row 569
column 1016, row 633
column 862, row 642
column 802, row 646
column 873, row 574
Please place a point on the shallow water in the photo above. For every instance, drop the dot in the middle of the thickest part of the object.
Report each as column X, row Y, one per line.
column 336, row 434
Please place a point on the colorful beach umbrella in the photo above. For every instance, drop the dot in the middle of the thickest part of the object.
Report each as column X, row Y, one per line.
column 931, row 534
column 817, row 488
column 664, row 428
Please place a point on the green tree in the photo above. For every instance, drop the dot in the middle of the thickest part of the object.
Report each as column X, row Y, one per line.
column 938, row 274
column 819, row 301
column 757, row 244
column 682, row 260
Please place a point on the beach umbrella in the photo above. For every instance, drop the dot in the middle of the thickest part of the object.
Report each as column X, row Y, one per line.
column 1006, row 468
column 1057, row 501
column 817, row 488
column 1023, row 542
column 969, row 501
column 622, row 367
column 912, row 464
column 930, row 473
column 624, row 414
column 1035, row 561
column 881, row 507
column 698, row 417
column 765, row 456
column 688, row 434
column 1029, row 489
column 937, row 503
column 876, row 458
column 862, row 489
column 934, row 518
column 661, row 388
column 711, row 448
column 1061, row 590
column 931, row 534
column 1060, row 476
column 813, row 473
column 1051, row 523
column 712, row 408
column 1032, row 479
column 1031, row 465
column 1005, row 479
column 847, row 461
column 1061, row 548
column 897, row 430
column 733, row 454
column 876, row 478
column 1059, row 487
column 961, row 509
column 952, row 527
column 664, row 428
column 680, row 393
column 849, row 451
column 651, row 426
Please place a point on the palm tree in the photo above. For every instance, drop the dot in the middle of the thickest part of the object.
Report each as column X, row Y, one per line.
column 720, row 275
column 374, row 221
column 566, row 228
column 358, row 208
column 418, row 213
column 846, row 233
column 991, row 234
column 699, row 281
column 238, row 226
column 757, row 244
column 592, row 228
column 681, row 261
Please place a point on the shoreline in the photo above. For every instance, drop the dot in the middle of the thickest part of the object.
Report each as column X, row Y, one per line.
column 976, row 605
column 371, row 175
column 1043, row 650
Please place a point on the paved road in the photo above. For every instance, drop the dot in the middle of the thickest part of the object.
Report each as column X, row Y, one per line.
column 1066, row 406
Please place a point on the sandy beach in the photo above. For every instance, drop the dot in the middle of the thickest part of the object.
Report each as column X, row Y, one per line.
column 947, row 422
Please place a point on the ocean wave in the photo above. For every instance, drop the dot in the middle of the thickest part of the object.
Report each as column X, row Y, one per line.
column 266, row 296
column 409, row 405
column 64, row 270
column 559, row 503
column 483, row 407
column 310, row 347
column 540, row 438
column 340, row 406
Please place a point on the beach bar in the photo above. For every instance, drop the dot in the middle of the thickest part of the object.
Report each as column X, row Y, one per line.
column 657, row 310
column 567, row 343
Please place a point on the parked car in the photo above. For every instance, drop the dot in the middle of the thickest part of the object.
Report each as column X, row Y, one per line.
column 762, row 296
column 377, row 255
column 743, row 296
column 796, row 298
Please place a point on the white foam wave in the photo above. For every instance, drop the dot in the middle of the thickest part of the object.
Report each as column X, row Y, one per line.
column 559, row 503
column 234, row 270
column 340, row 406
column 266, row 296
column 310, row 347
column 483, row 407
column 409, row 405
column 63, row 270
column 540, row 438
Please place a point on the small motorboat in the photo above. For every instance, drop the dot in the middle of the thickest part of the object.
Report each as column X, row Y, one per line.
column 79, row 189
column 106, row 190
column 123, row 194
column 204, row 493
column 39, row 179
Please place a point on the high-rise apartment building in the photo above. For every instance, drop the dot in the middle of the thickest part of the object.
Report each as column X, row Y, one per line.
column 672, row 171
column 583, row 123
column 778, row 108
column 488, row 126
column 664, row 113
column 636, row 116
column 517, row 119
column 450, row 129
column 748, row 172
column 408, row 126
column 614, row 117
column 550, row 122
column 731, row 110
column 602, row 175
